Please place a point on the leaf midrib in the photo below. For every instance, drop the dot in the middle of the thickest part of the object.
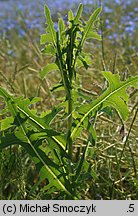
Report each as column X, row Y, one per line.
column 101, row 101
column 37, row 154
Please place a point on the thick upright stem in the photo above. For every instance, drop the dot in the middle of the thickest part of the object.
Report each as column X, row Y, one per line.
column 69, row 139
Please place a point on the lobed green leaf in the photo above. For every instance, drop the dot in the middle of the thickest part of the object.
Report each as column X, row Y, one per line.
column 114, row 96
column 50, row 24
column 48, row 68
column 45, row 38
column 89, row 24
column 78, row 15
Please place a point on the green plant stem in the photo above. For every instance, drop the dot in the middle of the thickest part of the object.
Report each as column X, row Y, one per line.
column 69, row 126
column 67, row 87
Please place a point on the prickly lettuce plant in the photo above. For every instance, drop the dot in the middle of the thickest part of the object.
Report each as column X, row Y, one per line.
column 53, row 151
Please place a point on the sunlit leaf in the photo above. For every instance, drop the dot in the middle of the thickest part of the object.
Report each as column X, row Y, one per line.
column 70, row 16
column 115, row 96
column 50, row 24
column 45, row 38
column 49, row 50
column 89, row 24
column 6, row 123
column 61, row 27
column 48, row 68
column 78, row 15
column 93, row 35
column 23, row 137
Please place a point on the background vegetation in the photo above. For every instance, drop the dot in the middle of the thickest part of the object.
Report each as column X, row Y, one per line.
column 21, row 61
